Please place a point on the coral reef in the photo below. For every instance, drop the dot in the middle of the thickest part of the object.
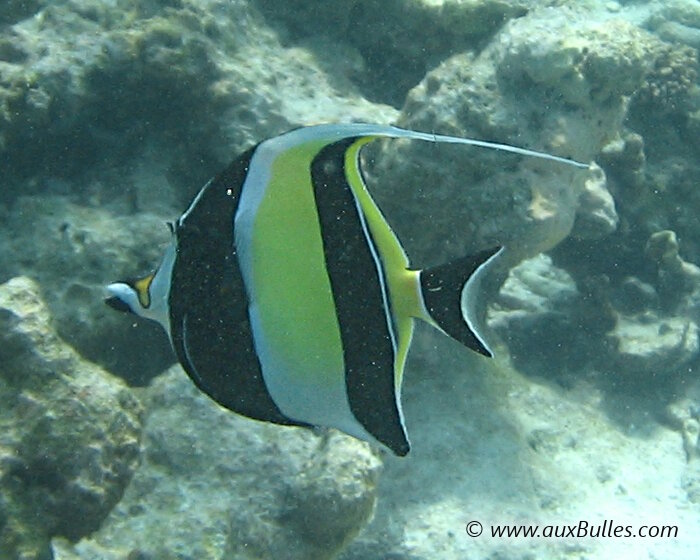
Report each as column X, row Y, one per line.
column 653, row 344
column 535, row 291
column 670, row 82
column 72, row 251
column 549, row 324
column 70, row 432
column 551, row 80
column 206, row 76
column 662, row 337
column 676, row 21
column 596, row 216
column 243, row 490
column 678, row 280
column 399, row 47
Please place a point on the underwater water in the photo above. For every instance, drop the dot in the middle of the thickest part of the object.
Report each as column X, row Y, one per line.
column 578, row 439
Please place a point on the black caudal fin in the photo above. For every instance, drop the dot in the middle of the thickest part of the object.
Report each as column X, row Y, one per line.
column 442, row 288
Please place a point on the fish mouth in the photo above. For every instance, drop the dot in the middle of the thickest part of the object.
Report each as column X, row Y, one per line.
column 117, row 304
column 112, row 298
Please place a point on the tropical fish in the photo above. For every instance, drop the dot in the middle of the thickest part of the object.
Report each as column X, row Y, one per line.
column 288, row 298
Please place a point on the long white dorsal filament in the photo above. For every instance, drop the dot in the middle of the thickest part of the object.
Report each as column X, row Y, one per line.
column 404, row 133
column 389, row 131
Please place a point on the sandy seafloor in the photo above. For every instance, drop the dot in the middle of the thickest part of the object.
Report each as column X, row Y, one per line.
column 114, row 113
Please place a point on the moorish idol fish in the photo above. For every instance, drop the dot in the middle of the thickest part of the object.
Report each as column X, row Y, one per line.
column 288, row 298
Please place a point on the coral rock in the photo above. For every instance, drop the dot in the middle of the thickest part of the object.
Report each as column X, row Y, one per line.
column 70, row 431
column 648, row 344
column 596, row 216
column 242, row 489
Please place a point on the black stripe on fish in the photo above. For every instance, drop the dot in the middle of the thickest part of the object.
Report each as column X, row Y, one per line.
column 356, row 282
column 210, row 328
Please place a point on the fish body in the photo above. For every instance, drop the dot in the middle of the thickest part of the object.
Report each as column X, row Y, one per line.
column 288, row 298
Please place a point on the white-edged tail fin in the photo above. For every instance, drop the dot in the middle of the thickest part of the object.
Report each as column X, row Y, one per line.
column 444, row 286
